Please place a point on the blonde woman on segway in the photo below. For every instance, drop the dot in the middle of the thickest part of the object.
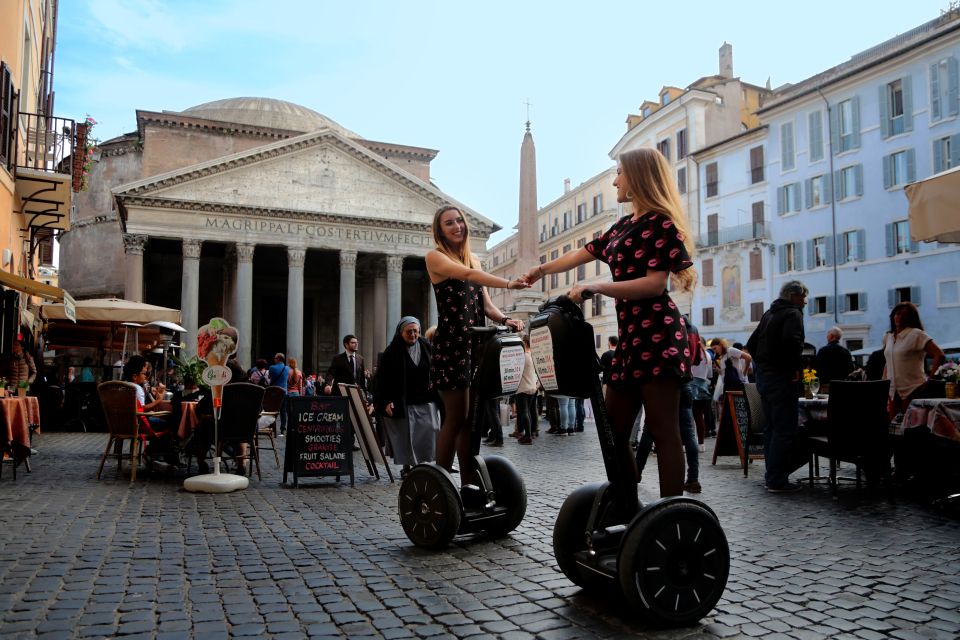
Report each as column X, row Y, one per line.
column 642, row 250
column 462, row 301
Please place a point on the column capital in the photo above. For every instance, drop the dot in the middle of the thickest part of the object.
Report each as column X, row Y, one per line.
column 296, row 256
column 394, row 264
column 191, row 248
column 348, row 259
column 134, row 244
column 245, row 251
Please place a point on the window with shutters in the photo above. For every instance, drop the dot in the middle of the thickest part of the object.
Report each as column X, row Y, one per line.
column 791, row 257
column 581, row 269
column 788, row 198
column 944, row 94
column 756, row 265
column 581, row 212
column 848, row 125
column 852, row 246
column 597, row 302
column 815, row 192
column 818, row 305
column 543, row 232
column 850, row 182
column 819, row 250
column 713, row 229
column 682, row 179
column 948, row 293
column 706, row 268
column 567, row 219
column 681, row 144
column 901, row 237
column 553, row 276
column 946, row 153
column 899, row 169
column 893, row 107
column 854, row 302
column 756, row 165
column 598, row 265
column 756, row 311
column 543, row 281
column 707, row 317
column 44, row 239
column 788, row 158
column 597, row 203
column 664, row 147
column 566, row 275
column 756, row 209
column 815, row 133
column 713, row 179
column 903, row 294
column 8, row 117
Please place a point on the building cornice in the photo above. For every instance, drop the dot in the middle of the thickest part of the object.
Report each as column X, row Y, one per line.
column 740, row 138
column 704, row 96
column 176, row 120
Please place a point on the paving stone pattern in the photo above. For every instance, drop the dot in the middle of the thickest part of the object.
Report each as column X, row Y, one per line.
column 81, row 558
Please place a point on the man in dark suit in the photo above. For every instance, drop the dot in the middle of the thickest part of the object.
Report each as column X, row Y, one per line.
column 833, row 362
column 346, row 367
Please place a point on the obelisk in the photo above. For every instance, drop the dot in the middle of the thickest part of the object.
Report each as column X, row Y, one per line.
column 527, row 301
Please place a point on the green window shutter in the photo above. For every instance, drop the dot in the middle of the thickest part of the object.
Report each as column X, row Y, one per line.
column 783, row 258
column 862, row 302
column 796, row 196
column 855, row 107
column 885, row 110
column 810, row 260
column 915, row 295
column 935, row 106
column 808, row 188
column 798, row 251
column 830, row 304
column 891, row 298
column 861, row 245
column 906, row 82
column 891, row 239
column 842, row 303
column 835, row 130
column 938, row 159
column 829, row 251
column 955, row 150
column 782, row 200
column 816, row 135
column 953, row 87
column 911, row 165
column 858, row 177
column 826, row 192
column 885, row 162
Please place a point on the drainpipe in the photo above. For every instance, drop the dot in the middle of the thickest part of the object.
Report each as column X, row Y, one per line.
column 833, row 209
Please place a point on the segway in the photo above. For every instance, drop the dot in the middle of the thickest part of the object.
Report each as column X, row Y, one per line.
column 670, row 560
column 432, row 509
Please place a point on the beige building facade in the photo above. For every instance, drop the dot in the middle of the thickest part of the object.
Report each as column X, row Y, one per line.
column 267, row 213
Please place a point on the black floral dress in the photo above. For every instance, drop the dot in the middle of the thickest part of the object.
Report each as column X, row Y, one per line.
column 653, row 336
column 459, row 305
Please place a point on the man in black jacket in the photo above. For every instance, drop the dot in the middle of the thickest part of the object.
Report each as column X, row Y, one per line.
column 833, row 362
column 346, row 367
column 777, row 347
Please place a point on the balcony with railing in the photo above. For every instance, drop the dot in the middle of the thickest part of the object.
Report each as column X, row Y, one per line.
column 47, row 169
column 738, row 233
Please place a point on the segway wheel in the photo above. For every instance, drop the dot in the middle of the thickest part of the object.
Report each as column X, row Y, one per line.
column 673, row 563
column 509, row 492
column 570, row 536
column 429, row 507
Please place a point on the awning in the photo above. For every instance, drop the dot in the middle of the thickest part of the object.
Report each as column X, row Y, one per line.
column 113, row 310
column 934, row 207
column 32, row 287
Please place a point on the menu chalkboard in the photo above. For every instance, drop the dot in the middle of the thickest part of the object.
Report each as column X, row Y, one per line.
column 319, row 438
column 734, row 428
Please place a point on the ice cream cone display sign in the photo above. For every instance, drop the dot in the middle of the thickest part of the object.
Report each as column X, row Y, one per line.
column 216, row 341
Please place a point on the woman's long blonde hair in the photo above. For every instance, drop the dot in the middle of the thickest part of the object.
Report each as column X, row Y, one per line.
column 651, row 187
column 464, row 256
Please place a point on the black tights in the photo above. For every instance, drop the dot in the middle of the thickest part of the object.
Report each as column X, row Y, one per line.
column 455, row 433
column 660, row 399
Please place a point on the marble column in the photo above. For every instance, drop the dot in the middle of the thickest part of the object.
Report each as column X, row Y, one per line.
column 432, row 316
column 133, row 246
column 394, row 279
column 243, row 303
column 189, row 293
column 348, row 293
column 380, row 337
column 295, row 259
column 229, row 302
column 368, row 309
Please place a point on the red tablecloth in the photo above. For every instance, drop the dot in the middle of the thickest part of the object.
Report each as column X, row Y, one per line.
column 18, row 415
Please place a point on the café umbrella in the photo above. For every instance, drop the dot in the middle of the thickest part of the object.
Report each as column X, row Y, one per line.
column 934, row 207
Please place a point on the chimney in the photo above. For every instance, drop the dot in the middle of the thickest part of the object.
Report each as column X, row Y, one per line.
column 726, row 61
column 566, row 185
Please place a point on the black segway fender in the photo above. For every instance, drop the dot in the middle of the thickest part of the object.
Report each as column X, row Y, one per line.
column 673, row 562
column 430, row 506
column 505, row 484
column 571, row 532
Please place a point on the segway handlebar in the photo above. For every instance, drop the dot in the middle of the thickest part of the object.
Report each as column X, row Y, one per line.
column 566, row 304
column 490, row 329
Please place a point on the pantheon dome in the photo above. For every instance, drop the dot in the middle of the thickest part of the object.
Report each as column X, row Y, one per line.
column 267, row 112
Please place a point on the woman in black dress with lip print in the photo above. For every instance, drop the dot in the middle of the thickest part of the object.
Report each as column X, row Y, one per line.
column 462, row 302
column 642, row 250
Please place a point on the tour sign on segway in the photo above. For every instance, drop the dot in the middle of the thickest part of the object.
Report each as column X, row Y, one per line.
column 670, row 560
column 432, row 509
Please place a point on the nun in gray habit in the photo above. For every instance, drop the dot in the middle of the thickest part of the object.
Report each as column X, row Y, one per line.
column 404, row 398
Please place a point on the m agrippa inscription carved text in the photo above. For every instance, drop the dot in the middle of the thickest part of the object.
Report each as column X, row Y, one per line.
column 320, row 231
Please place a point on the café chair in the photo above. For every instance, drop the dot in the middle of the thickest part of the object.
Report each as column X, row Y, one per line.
column 119, row 402
column 238, row 421
column 758, row 420
column 857, row 431
column 267, row 421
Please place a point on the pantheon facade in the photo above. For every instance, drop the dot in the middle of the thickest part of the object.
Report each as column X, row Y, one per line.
column 295, row 229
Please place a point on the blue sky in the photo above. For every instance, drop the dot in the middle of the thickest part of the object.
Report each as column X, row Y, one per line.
column 451, row 76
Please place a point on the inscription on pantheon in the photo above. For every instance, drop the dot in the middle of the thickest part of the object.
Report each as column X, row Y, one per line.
column 322, row 231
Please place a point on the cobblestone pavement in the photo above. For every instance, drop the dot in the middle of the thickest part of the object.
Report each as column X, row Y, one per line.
column 89, row 559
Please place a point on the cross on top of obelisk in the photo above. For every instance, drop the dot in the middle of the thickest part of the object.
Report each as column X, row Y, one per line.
column 528, row 113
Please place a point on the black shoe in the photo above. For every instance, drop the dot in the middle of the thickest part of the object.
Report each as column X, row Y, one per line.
column 790, row 487
column 472, row 496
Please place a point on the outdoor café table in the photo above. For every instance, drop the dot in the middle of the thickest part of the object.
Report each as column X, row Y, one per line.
column 940, row 415
column 188, row 419
column 18, row 414
column 814, row 408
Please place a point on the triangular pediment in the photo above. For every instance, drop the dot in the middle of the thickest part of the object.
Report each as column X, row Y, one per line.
column 319, row 173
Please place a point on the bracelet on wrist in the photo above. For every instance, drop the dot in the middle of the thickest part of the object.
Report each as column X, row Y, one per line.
column 504, row 319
